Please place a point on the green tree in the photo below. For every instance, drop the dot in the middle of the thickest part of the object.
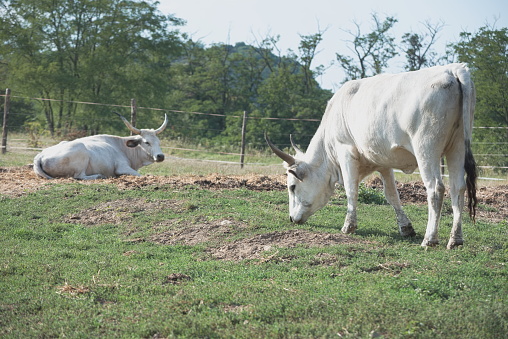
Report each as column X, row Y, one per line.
column 224, row 80
column 206, row 81
column 372, row 51
column 291, row 92
column 307, row 52
column 418, row 47
column 105, row 51
column 486, row 53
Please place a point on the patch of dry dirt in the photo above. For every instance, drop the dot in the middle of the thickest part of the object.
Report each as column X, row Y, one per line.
column 254, row 247
column 219, row 235
column 119, row 211
column 193, row 233
column 493, row 198
column 17, row 181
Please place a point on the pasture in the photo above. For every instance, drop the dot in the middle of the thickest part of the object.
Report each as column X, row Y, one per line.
column 213, row 255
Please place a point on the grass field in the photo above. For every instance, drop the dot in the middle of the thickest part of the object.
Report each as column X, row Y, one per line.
column 185, row 158
column 160, row 261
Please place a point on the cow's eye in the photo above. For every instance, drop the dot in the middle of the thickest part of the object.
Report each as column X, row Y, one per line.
column 292, row 188
column 147, row 143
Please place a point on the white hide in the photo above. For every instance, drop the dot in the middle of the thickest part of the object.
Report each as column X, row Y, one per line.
column 400, row 121
column 101, row 156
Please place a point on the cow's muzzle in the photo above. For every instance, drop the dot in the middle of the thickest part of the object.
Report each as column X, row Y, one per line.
column 159, row 157
column 299, row 221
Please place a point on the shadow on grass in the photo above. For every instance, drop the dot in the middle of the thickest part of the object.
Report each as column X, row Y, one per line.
column 392, row 236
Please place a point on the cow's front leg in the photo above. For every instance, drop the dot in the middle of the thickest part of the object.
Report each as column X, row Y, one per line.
column 125, row 170
column 392, row 196
column 81, row 175
column 89, row 177
column 350, row 224
column 351, row 187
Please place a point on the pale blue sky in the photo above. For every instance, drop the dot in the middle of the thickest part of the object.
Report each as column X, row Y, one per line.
column 245, row 20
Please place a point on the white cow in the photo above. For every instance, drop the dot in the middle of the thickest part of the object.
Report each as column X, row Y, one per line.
column 388, row 121
column 101, row 156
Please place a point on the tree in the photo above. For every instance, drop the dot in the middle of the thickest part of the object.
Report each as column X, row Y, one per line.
column 99, row 51
column 486, row 53
column 418, row 47
column 308, row 50
column 289, row 92
column 224, row 80
column 371, row 51
column 219, row 80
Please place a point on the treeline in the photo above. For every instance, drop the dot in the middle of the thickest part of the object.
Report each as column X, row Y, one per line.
column 109, row 51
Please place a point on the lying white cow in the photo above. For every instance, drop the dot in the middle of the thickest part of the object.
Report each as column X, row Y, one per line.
column 401, row 121
column 101, row 156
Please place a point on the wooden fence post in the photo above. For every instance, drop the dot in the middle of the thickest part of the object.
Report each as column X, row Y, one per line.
column 244, row 123
column 133, row 113
column 7, row 103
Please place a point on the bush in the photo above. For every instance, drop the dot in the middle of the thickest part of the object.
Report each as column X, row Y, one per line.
column 369, row 195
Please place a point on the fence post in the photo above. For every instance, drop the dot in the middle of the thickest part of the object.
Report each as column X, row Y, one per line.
column 244, row 123
column 133, row 113
column 6, row 113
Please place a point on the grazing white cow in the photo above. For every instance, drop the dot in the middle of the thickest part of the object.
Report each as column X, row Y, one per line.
column 101, row 156
column 389, row 121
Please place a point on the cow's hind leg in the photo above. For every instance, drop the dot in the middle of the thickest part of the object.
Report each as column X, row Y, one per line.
column 126, row 170
column 455, row 160
column 392, row 195
column 431, row 176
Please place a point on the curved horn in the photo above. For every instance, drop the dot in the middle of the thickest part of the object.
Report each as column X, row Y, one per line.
column 298, row 150
column 128, row 124
column 164, row 124
column 286, row 157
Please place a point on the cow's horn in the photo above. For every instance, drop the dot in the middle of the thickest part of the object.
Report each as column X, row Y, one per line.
column 286, row 157
column 128, row 124
column 298, row 150
column 164, row 124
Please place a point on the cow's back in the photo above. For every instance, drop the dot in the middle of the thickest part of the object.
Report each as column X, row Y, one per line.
column 384, row 116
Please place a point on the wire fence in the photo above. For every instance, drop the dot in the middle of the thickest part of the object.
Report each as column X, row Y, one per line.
column 490, row 152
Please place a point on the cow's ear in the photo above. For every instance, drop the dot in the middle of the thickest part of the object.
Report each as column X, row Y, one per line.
column 297, row 171
column 295, row 174
column 133, row 142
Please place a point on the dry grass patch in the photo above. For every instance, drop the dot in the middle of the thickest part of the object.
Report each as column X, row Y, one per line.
column 121, row 211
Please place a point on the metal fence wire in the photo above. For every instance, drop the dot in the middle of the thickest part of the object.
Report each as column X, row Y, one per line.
column 492, row 155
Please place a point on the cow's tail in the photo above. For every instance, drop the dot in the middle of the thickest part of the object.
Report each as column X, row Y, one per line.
column 38, row 167
column 468, row 106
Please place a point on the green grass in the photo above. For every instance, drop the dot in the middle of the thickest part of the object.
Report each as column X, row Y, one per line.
column 65, row 276
column 60, row 276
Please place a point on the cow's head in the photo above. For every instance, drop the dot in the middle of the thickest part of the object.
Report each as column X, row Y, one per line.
column 146, row 140
column 309, row 186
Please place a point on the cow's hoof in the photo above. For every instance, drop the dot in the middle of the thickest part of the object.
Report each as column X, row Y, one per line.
column 407, row 231
column 430, row 243
column 454, row 243
column 349, row 229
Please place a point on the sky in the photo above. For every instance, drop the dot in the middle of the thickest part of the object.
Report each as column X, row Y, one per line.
column 232, row 21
